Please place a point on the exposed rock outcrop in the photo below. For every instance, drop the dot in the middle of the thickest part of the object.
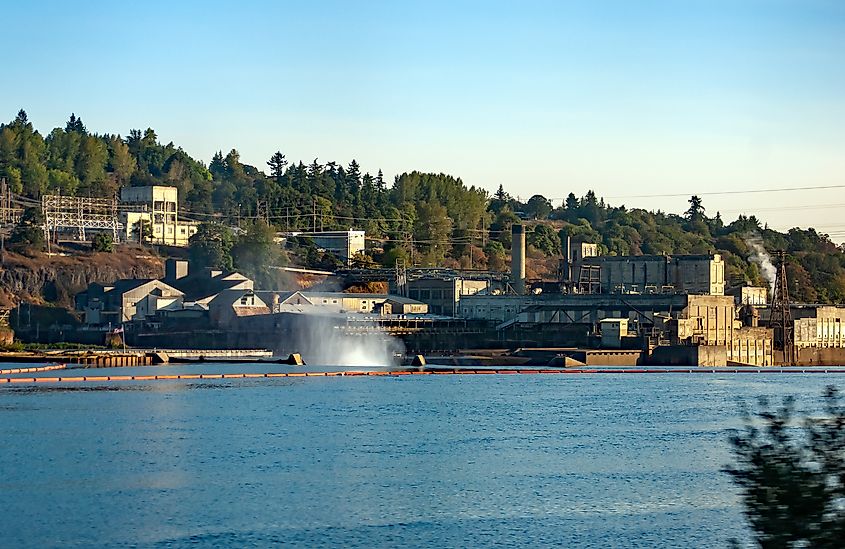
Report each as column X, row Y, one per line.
column 56, row 279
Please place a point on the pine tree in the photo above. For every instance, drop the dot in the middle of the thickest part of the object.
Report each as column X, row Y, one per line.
column 277, row 165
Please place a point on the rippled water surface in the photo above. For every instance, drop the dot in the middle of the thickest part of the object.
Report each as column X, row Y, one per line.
column 458, row 461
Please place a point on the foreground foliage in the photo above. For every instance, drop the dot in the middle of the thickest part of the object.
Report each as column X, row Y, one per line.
column 792, row 474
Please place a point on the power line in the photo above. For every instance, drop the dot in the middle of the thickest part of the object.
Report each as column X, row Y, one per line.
column 715, row 193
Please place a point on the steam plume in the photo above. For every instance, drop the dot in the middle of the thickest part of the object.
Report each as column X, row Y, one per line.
column 762, row 259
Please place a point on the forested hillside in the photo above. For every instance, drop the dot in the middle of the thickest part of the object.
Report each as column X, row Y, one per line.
column 423, row 218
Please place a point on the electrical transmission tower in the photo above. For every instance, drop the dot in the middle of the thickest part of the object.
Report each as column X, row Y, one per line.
column 781, row 314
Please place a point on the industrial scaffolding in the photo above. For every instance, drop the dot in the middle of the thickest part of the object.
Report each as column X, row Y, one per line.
column 79, row 213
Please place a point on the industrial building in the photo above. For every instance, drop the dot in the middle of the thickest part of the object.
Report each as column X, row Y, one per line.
column 819, row 335
column 692, row 274
column 159, row 207
column 444, row 294
column 342, row 244
column 125, row 301
column 642, row 302
column 757, row 296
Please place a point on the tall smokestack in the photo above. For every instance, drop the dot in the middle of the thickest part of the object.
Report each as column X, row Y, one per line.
column 518, row 258
column 568, row 254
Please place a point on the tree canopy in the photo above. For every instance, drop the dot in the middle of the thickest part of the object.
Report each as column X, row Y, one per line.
column 422, row 218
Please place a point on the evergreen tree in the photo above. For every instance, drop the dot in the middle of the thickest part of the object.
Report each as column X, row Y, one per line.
column 75, row 124
column 277, row 165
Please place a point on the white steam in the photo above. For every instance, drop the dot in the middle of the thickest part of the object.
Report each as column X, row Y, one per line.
column 762, row 259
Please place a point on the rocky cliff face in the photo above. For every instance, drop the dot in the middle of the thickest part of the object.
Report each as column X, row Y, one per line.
column 56, row 279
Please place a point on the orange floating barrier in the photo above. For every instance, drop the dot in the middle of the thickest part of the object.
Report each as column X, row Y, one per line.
column 211, row 376
column 297, row 374
column 255, row 375
column 227, row 376
column 277, row 374
column 168, row 377
column 99, row 378
column 314, row 374
column 143, row 378
column 21, row 380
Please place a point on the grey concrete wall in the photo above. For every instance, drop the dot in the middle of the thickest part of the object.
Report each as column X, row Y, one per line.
column 688, row 355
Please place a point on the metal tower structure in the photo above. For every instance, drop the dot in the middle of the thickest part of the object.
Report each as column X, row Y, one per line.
column 79, row 214
column 781, row 315
column 401, row 278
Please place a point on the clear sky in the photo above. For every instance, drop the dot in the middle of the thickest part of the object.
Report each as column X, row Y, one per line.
column 625, row 97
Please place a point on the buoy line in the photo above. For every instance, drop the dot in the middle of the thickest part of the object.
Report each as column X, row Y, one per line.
column 571, row 371
column 33, row 369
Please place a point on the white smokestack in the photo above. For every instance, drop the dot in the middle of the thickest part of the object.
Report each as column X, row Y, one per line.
column 762, row 259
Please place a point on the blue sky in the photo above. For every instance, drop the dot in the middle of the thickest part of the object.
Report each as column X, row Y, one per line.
column 627, row 98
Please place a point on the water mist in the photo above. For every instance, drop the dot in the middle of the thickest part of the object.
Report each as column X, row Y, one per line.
column 322, row 343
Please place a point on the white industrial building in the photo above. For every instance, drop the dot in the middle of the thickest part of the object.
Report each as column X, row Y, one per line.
column 342, row 244
column 159, row 206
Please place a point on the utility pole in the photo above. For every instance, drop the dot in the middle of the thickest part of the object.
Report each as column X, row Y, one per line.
column 313, row 215
column 780, row 320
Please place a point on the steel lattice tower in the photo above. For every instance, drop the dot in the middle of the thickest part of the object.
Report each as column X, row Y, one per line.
column 781, row 314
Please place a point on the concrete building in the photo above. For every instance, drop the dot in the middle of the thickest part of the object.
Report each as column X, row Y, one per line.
column 674, row 319
column 691, row 274
column 612, row 332
column 750, row 295
column 159, row 206
column 202, row 286
column 126, row 300
column 443, row 295
column 342, row 244
column 579, row 250
column 228, row 305
column 341, row 302
column 824, row 330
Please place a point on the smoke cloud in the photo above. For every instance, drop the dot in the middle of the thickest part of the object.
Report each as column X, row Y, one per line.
column 762, row 259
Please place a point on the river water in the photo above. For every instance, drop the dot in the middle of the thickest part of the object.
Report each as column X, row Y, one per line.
column 611, row 460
